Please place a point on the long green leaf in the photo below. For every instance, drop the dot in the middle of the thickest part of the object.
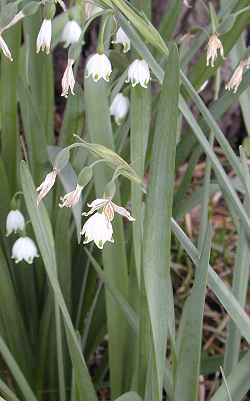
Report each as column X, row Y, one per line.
column 156, row 247
column 190, row 332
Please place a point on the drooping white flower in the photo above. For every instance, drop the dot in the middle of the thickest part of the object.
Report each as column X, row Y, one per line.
column 44, row 36
column 99, row 66
column 236, row 78
column 71, row 33
column 72, row 198
column 15, row 222
column 186, row 3
column 213, row 47
column 24, row 249
column 6, row 51
column 109, row 209
column 138, row 73
column 68, row 79
column 98, row 229
column 123, row 39
column 46, row 185
column 119, row 107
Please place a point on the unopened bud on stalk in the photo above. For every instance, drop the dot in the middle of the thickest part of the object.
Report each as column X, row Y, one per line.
column 122, row 38
column 119, row 108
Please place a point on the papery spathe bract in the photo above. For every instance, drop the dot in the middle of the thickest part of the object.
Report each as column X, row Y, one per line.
column 138, row 73
column 68, row 79
column 44, row 36
column 122, row 38
column 24, row 249
column 214, row 46
column 15, row 222
column 91, row 9
column 46, row 185
column 72, row 198
column 6, row 51
column 71, row 33
column 119, row 107
column 98, row 229
column 99, row 66
column 109, row 209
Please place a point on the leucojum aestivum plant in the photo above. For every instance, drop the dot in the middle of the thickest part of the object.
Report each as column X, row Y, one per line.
column 90, row 297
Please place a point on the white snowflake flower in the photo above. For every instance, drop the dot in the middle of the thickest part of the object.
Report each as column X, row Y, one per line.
column 98, row 229
column 44, row 36
column 15, row 222
column 24, row 249
column 99, row 66
column 71, row 33
column 138, row 73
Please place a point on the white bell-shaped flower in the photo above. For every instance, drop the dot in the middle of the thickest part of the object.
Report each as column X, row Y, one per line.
column 24, row 249
column 99, row 66
column 71, row 33
column 44, row 36
column 138, row 73
column 68, row 79
column 123, row 39
column 119, row 108
column 98, row 229
column 15, row 222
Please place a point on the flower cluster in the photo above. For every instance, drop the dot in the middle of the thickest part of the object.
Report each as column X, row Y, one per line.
column 98, row 227
column 24, row 248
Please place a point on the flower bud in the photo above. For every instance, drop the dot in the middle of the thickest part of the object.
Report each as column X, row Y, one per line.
column 119, row 108
column 122, row 38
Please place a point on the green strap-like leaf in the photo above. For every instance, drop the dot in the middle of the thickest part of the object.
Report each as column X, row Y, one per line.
column 157, row 231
